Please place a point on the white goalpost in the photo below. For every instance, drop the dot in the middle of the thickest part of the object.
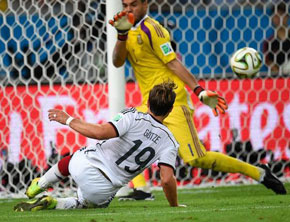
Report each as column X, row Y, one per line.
column 116, row 78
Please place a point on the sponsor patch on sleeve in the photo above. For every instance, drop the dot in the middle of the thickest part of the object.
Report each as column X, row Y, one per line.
column 166, row 48
column 118, row 117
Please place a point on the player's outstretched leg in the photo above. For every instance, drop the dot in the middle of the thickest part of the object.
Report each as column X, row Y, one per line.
column 56, row 173
column 42, row 203
column 271, row 181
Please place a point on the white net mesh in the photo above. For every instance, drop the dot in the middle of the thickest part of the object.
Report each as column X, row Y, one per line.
column 53, row 56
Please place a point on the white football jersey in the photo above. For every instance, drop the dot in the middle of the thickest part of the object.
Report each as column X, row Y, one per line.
column 141, row 141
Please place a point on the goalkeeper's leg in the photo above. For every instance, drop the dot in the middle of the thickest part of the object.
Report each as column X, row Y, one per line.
column 56, row 173
column 193, row 152
column 223, row 163
column 139, row 182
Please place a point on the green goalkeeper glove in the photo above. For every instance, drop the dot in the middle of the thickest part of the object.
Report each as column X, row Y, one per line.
column 123, row 22
column 212, row 99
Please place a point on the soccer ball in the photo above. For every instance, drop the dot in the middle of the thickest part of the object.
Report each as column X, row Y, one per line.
column 246, row 62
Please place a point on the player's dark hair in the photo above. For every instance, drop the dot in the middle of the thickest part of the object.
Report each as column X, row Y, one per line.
column 161, row 98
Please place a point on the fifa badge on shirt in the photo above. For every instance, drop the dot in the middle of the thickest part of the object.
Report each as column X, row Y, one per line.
column 139, row 39
column 118, row 117
column 166, row 48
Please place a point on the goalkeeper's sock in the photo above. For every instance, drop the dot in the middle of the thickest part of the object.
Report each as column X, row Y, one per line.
column 139, row 183
column 56, row 173
column 223, row 163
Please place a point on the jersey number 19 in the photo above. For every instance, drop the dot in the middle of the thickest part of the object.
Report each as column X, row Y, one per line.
column 138, row 157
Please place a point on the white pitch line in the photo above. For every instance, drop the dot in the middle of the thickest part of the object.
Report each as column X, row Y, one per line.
column 176, row 211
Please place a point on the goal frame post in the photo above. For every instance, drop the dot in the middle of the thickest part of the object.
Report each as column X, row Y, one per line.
column 116, row 76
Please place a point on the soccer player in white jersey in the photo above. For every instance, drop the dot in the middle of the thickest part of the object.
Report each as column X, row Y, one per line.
column 131, row 142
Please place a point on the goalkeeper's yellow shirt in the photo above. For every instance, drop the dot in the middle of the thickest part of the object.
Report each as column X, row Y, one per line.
column 150, row 50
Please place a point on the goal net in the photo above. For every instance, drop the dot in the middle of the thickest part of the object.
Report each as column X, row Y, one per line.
column 53, row 55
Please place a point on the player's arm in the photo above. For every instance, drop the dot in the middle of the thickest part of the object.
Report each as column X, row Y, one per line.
column 168, row 183
column 122, row 22
column 210, row 98
column 179, row 69
column 163, row 50
column 120, row 53
column 94, row 131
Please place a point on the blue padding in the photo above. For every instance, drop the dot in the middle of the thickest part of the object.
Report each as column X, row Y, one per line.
column 33, row 33
column 206, row 38
column 2, row 47
column 5, row 33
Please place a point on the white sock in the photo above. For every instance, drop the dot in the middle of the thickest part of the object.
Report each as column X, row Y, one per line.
column 67, row 203
column 50, row 177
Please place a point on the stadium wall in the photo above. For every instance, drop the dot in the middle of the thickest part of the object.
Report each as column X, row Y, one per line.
column 259, row 110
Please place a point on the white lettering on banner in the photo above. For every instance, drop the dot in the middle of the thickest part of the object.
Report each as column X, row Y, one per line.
column 213, row 128
column 90, row 117
column 15, row 127
column 50, row 128
column 257, row 133
column 234, row 111
column 287, row 151
column 286, row 116
column 277, row 154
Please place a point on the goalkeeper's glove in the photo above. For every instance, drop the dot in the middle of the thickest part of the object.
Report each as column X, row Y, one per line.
column 123, row 22
column 212, row 99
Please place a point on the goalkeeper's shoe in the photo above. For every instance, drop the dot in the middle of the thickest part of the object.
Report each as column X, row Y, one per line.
column 137, row 195
column 42, row 203
column 33, row 189
column 271, row 181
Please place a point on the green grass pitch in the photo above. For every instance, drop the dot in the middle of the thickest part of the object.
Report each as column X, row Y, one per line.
column 231, row 203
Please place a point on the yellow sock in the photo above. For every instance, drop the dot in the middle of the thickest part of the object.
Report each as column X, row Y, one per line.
column 139, row 181
column 223, row 163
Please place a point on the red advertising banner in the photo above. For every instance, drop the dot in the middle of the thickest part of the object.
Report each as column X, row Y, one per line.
column 259, row 110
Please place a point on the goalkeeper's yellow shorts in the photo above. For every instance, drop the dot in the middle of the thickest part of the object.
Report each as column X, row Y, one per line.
column 180, row 123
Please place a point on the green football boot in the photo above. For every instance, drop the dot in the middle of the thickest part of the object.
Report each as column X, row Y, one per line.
column 42, row 203
column 33, row 189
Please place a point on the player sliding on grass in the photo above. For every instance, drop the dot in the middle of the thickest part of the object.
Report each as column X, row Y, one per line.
column 146, row 44
column 129, row 144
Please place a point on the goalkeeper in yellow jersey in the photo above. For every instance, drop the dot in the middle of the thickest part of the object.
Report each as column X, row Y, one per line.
column 146, row 44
